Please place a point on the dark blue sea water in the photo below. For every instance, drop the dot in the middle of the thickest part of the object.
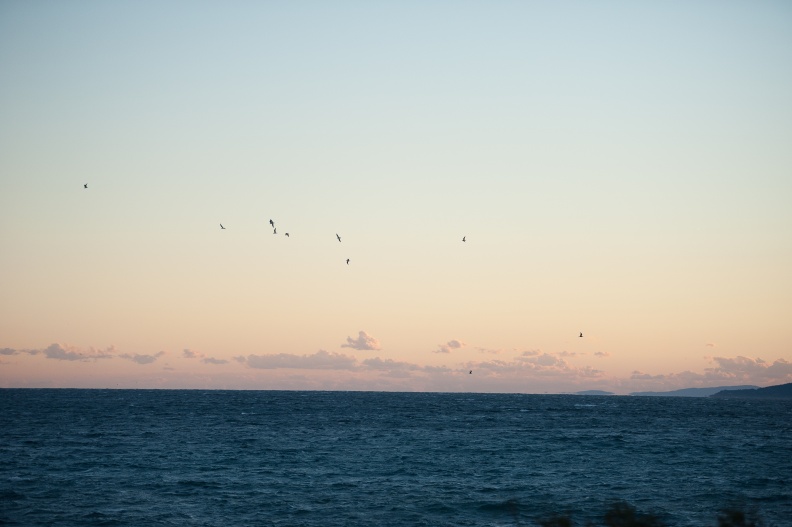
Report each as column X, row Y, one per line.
column 271, row 458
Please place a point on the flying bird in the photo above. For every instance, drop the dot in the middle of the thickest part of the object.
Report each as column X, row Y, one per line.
column 221, row 226
column 347, row 261
column 339, row 237
column 581, row 334
column 274, row 231
column 463, row 238
column 287, row 234
column 85, row 185
column 272, row 223
column 471, row 372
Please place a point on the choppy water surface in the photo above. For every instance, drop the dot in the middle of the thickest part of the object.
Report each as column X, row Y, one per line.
column 187, row 457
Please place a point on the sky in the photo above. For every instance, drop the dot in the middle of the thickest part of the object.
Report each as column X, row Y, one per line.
column 503, row 176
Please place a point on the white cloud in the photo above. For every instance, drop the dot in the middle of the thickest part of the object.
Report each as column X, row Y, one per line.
column 363, row 342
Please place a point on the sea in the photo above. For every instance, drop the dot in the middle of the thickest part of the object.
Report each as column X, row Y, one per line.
column 71, row 457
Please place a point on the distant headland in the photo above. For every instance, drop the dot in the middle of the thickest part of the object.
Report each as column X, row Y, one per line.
column 695, row 392
column 781, row 391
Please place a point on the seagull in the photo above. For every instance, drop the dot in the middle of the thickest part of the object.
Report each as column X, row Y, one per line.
column 85, row 186
column 347, row 261
column 463, row 238
column 581, row 334
column 339, row 237
column 221, row 226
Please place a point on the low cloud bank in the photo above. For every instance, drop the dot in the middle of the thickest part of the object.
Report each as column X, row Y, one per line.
column 736, row 370
column 58, row 351
column 535, row 363
column 321, row 360
column 524, row 371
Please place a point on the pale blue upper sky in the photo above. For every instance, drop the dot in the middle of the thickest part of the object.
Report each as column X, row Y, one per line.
column 619, row 167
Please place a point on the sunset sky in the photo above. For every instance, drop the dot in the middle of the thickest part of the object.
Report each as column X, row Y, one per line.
column 620, row 169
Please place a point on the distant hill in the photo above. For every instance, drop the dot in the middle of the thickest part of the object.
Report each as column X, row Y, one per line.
column 694, row 392
column 593, row 392
column 781, row 391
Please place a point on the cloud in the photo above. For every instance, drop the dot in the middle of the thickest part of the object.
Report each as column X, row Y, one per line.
column 743, row 368
column 450, row 345
column 212, row 360
column 142, row 359
column 725, row 371
column 63, row 352
column 639, row 375
column 321, row 360
column 602, row 354
column 58, row 351
column 190, row 354
column 488, row 350
column 711, row 345
column 391, row 368
column 363, row 342
column 546, row 360
column 535, row 364
column 389, row 365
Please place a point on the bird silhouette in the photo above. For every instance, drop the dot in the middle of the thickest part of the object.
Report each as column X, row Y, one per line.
column 463, row 238
column 221, row 226
column 85, row 185
column 581, row 334
column 272, row 223
column 347, row 261
column 339, row 237
column 274, row 231
column 287, row 234
column 471, row 372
